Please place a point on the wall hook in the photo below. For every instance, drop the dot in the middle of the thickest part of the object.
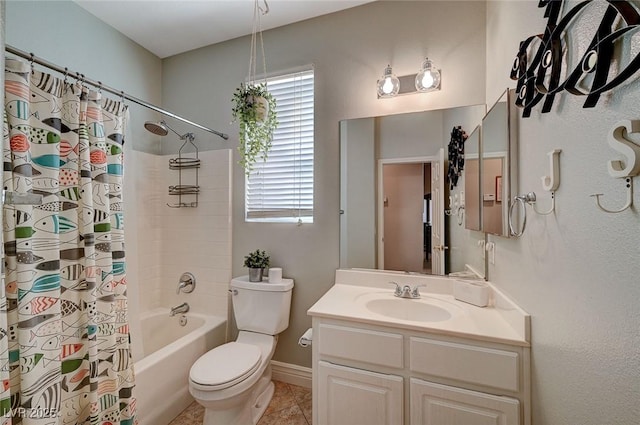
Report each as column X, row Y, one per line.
column 629, row 183
column 551, row 182
column 551, row 209
column 617, row 140
column 623, row 169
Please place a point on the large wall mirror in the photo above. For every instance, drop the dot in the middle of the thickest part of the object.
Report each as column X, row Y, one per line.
column 498, row 165
column 394, row 195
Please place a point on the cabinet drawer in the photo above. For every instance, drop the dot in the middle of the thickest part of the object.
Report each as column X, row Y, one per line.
column 476, row 365
column 363, row 345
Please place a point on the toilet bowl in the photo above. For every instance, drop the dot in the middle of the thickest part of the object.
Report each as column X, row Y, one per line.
column 233, row 381
column 226, row 380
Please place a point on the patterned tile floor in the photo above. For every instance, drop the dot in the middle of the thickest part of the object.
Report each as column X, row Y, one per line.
column 290, row 405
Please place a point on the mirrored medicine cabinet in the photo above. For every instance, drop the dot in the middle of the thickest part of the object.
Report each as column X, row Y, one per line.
column 498, row 164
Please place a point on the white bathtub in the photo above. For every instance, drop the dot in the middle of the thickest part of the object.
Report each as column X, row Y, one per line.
column 162, row 376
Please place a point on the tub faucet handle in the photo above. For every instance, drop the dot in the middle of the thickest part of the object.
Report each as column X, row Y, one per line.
column 187, row 283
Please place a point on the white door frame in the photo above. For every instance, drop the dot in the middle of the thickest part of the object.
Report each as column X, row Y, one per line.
column 380, row 192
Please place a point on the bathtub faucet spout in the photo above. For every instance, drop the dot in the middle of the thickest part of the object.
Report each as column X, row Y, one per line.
column 182, row 308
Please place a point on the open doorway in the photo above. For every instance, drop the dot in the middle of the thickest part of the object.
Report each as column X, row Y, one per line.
column 407, row 215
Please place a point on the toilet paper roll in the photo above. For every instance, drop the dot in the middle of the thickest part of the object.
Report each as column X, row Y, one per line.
column 275, row 275
column 305, row 339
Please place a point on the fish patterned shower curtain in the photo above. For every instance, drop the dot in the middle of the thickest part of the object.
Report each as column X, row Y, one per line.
column 64, row 333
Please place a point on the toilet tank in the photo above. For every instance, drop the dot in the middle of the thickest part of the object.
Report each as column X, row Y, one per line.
column 261, row 306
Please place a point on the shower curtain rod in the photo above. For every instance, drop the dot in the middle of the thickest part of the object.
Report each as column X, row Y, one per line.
column 65, row 71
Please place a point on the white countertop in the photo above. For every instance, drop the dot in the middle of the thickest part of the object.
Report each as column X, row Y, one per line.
column 503, row 321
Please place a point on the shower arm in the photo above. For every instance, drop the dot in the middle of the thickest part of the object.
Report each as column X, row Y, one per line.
column 186, row 136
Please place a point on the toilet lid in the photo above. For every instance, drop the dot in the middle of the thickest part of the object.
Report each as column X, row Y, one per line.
column 225, row 365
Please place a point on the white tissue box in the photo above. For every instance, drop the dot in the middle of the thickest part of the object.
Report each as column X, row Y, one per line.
column 474, row 292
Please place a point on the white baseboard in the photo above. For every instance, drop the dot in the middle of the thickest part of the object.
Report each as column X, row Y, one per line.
column 291, row 374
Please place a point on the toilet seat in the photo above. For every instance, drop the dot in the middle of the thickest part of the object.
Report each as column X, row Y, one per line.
column 225, row 366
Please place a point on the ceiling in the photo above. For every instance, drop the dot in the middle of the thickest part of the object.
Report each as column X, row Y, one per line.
column 169, row 27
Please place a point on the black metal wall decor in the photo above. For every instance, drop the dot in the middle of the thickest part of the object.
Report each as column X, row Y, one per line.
column 538, row 67
column 456, row 155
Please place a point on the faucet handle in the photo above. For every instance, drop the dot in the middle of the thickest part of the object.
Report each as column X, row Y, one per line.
column 398, row 290
column 415, row 293
column 187, row 283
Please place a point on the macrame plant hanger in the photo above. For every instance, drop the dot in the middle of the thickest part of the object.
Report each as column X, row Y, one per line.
column 256, row 32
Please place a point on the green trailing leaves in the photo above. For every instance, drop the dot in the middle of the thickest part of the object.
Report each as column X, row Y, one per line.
column 255, row 111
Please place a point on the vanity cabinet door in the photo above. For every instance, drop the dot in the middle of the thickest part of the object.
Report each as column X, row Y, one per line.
column 436, row 404
column 349, row 396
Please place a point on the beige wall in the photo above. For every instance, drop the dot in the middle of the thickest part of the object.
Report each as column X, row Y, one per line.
column 348, row 57
column 576, row 272
column 358, row 194
column 410, row 135
column 67, row 35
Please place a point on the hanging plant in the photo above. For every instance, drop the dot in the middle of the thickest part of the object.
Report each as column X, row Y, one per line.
column 254, row 107
column 255, row 111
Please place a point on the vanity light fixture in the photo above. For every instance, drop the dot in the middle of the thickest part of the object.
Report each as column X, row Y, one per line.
column 428, row 79
column 388, row 85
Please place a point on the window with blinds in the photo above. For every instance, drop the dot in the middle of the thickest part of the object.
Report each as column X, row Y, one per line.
column 280, row 189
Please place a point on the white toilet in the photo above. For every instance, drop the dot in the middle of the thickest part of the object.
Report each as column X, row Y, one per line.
column 233, row 381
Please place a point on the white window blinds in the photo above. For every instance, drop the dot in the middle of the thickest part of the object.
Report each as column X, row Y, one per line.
column 280, row 189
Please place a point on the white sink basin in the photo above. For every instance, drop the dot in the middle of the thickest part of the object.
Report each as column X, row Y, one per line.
column 425, row 309
column 408, row 309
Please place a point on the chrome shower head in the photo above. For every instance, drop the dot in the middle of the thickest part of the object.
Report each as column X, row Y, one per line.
column 158, row 128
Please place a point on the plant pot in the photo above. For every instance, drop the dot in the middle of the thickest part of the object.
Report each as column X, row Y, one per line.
column 261, row 106
column 255, row 275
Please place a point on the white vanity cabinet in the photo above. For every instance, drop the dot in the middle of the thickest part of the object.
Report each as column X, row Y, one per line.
column 366, row 374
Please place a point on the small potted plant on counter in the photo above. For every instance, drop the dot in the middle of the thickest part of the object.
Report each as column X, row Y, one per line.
column 256, row 262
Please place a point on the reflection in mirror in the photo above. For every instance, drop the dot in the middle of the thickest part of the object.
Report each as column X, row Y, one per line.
column 472, row 204
column 369, row 144
column 498, row 168
column 404, row 190
column 411, row 191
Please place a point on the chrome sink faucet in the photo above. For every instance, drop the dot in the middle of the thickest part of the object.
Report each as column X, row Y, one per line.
column 182, row 308
column 406, row 291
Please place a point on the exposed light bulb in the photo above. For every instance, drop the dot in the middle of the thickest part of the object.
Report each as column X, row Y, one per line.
column 388, row 85
column 428, row 78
